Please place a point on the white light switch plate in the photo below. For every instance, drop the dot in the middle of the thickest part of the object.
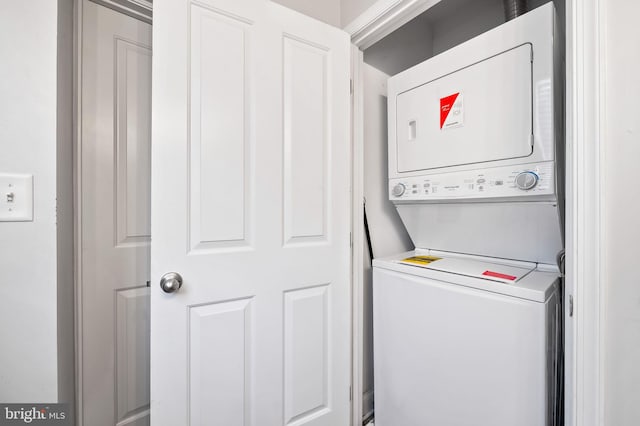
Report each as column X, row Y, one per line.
column 16, row 198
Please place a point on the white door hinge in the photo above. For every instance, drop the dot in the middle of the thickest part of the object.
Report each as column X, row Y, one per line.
column 351, row 86
column 570, row 305
column 350, row 394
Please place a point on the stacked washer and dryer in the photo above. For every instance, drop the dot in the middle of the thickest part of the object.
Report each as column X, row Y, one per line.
column 467, row 326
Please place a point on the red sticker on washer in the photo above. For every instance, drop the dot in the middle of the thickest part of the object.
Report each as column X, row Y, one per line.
column 499, row 275
column 445, row 107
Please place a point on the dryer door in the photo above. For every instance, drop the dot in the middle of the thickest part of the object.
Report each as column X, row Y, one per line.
column 479, row 113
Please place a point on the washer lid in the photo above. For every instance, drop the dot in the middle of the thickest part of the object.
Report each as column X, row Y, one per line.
column 470, row 268
column 519, row 279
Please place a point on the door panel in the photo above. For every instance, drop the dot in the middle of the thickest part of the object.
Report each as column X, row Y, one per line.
column 251, row 177
column 115, row 222
column 306, row 140
column 132, row 350
column 306, row 353
column 133, row 139
column 220, row 362
column 220, row 145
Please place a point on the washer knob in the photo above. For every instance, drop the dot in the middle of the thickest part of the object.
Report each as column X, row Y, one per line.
column 526, row 180
column 398, row 190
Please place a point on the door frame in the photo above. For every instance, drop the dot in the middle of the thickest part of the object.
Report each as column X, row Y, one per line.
column 77, row 206
column 136, row 9
column 585, row 75
column 584, row 308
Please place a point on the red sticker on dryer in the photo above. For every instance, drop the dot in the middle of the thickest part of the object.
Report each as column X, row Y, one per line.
column 451, row 111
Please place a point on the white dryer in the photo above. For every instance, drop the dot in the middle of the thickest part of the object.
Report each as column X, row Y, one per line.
column 476, row 144
column 475, row 172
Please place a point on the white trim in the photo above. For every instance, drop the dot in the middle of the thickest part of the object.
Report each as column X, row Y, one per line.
column 142, row 3
column 357, row 237
column 77, row 206
column 138, row 9
column 600, row 13
column 384, row 17
column 585, row 115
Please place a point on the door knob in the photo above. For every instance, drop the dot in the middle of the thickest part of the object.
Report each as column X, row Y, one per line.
column 171, row 282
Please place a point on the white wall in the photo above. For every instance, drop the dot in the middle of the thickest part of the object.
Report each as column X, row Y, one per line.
column 443, row 26
column 621, row 208
column 407, row 46
column 324, row 10
column 456, row 21
column 388, row 235
column 28, row 261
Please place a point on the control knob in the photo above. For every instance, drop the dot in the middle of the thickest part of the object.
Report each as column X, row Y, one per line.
column 398, row 190
column 526, row 180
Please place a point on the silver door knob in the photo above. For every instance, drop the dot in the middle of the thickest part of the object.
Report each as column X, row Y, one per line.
column 171, row 282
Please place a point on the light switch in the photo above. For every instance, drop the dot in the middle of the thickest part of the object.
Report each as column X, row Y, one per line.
column 16, row 198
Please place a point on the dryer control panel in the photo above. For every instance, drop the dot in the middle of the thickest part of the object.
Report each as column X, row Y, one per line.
column 497, row 182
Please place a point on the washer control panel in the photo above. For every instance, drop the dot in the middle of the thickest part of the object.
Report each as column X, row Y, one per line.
column 496, row 182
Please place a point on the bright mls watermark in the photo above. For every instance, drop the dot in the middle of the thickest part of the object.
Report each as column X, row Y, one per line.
column 35, row 414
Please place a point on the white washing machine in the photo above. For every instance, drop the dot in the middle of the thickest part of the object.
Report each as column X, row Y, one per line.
column 464, row 342
column 475, row 172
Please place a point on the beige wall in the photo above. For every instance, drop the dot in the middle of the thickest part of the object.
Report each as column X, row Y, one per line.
column 621, row 208
column 324, row 10
column 351, row 9
column 338, row 13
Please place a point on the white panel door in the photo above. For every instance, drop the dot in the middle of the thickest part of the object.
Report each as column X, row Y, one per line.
column 251, row 205
column 116, row 218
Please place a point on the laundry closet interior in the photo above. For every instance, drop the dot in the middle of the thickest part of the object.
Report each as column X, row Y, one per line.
column 441, row 27
column 492, row 219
